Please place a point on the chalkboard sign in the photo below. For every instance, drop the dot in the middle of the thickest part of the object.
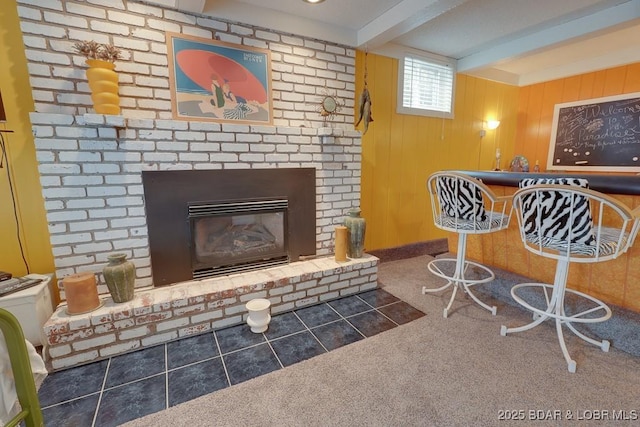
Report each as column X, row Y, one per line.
column 601, row 134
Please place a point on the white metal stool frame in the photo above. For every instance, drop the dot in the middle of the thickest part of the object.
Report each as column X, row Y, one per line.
column 615, row 227
column 497, row 218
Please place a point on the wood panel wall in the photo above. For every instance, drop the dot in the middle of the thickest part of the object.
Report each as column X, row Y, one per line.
column 616, row 281
column 399, row 151
column 24, row 233
column 536, row 103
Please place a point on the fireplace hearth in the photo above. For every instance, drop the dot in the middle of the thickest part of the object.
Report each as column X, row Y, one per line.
column 209, row 223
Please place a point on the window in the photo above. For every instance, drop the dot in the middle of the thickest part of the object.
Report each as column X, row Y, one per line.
column 425, row 86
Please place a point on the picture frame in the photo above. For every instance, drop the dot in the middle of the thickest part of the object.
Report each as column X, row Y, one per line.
column 596, row 135
column 211, row 80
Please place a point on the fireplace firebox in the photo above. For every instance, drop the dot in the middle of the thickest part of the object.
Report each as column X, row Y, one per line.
column 234, row 236
column 217, row 222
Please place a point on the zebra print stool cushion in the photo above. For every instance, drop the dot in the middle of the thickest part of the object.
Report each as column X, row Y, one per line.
column 557, row 211
column 610, row 239
column 460, row 199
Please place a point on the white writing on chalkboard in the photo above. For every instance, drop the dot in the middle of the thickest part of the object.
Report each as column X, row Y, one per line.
column 598, row 134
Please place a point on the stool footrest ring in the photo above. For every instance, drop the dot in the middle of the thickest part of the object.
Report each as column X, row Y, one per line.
column 553, row 307
column 456, row 276
column 549, row 312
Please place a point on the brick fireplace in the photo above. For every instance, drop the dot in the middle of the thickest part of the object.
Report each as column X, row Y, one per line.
column 91, row 216
column 91, row 170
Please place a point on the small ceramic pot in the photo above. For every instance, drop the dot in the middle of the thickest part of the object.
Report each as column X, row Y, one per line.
column 259, row 317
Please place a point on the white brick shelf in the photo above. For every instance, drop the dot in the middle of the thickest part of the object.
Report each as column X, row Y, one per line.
column 159, row 315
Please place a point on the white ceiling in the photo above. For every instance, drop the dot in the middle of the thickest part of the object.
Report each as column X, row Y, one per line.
column 519, row 42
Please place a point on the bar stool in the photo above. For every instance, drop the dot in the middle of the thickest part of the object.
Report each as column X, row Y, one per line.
column 564, row 220
column 464, row 205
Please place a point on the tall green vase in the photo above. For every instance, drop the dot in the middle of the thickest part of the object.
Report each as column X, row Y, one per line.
column 120, row 276
column 356, row 226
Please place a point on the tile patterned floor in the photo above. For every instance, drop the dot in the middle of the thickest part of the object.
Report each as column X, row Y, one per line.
column 130, row 386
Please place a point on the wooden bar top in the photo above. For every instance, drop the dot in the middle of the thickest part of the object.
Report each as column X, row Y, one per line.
column 608, row 184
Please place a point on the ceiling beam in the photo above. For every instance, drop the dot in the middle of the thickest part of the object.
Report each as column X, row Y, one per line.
column 264, row 17
column 580, row 27
column 615, row 58
column 400, row 19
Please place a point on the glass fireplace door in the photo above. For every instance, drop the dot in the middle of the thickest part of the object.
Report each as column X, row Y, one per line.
column 237, row 236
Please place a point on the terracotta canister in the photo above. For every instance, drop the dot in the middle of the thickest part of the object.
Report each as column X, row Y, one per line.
column 120, row 276
column 356, row 226
column 81, row 293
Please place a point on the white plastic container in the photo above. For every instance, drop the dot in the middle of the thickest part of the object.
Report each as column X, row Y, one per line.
column 32, row 307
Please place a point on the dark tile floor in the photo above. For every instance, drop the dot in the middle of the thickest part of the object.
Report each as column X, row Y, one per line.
column 130, row 386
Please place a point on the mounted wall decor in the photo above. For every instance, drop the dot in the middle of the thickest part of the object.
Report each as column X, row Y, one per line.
column 364, row 106
column 101, row 74
column 328, row 106
column 217, row 81
column 600, row 134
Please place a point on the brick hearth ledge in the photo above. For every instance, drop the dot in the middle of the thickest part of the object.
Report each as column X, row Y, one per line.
column 158, row 315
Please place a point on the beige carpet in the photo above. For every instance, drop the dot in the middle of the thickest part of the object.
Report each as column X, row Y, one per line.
column 431, row 372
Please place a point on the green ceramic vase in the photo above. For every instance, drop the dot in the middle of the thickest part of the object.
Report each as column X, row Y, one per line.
column 120, row 276
column 356, row 226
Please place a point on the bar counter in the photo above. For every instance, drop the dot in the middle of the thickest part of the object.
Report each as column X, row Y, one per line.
column 616, row 282
column 605, row 183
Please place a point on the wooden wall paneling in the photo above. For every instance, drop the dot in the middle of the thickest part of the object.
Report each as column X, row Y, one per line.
column 426, row 150
column 632, row 284
column 523, row 126
column 403, row 131
column 407, row 219
column 378, row 154
column 33, row 232
column 571, row 89
column 528, row 142
column 476, row 119
column 551, row 95
column 507, row 113
column 587, row 82
column 462, row 135
column 614, row 81
column 599, row 84
column 493, row 111
column 632, row 79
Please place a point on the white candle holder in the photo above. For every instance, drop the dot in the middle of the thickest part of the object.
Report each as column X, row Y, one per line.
column 259, row 317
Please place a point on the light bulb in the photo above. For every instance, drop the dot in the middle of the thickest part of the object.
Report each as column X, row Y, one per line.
column 492, row 124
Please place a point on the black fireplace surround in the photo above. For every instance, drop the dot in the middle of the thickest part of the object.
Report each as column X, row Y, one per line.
column 169, row 195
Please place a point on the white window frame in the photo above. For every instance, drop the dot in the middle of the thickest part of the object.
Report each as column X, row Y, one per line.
column 437, row 61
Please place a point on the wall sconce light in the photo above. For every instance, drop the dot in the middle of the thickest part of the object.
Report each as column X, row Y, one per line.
column 493, row 124
column 489, row 124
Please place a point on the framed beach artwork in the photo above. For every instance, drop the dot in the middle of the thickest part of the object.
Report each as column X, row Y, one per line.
column 216, row 81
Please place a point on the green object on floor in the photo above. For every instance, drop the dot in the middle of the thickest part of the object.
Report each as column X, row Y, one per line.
column 25, row 384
